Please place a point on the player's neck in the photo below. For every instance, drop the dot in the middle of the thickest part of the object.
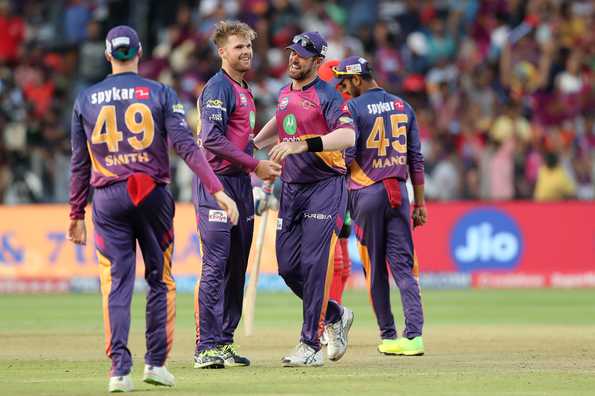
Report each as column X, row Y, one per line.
column 298, row 85
column 370, row 85
column 234, row 74
column 117, row 69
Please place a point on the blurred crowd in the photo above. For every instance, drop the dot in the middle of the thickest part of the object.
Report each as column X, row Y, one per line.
column 503, row 89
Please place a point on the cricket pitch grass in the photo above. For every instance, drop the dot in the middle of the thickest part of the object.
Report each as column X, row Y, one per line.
column 478, row 342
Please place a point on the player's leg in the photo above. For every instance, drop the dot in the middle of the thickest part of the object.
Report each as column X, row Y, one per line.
column 400, row 257
column 336, row 285
column 235, row 271
column 153, row 225
column 323, row 219
column 344, row 243
column 114, row 240
column 288, row 240
column 288, row 248
column 215, row 237
column 368, row 207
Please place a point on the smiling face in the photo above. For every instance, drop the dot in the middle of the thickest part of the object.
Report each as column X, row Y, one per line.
column 237, row 53
column 300, row 68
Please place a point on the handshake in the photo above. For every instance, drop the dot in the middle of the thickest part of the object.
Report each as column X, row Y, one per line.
column 264, row 199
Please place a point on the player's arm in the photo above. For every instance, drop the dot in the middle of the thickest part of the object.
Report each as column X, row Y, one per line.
column 415, row 160
column 80, row 165
column 268, row 135
column 180, row 138
column 215, row 106
column 342, row 133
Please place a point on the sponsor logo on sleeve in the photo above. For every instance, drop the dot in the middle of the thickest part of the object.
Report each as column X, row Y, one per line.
column 283, row 102
column 178, row 108
column 215, row 104
column 142, row 93
column 217, row 216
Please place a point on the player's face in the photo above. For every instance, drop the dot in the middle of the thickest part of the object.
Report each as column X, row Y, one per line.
column 237, row 53
column 348, row 85
column 300, row 68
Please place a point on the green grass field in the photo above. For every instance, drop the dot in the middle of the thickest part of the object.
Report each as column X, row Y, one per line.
column 478, row 342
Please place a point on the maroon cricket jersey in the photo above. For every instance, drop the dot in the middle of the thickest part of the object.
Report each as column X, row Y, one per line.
column 315, row 110
column 227, row 118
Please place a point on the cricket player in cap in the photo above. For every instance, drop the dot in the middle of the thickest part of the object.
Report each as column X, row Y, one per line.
column 314, row 129
column 387, row 151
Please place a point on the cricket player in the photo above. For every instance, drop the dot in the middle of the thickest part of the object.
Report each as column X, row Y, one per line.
column 121, row 127
column 227, row 114
column 313, row 129
column 387, row 150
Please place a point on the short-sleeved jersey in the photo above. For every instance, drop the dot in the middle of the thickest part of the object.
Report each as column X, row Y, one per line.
column 123, row 125
column 227, row 118
column 387, row 140
column 315, row 110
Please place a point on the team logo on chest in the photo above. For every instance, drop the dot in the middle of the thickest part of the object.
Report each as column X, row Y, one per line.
column 243, row 100
column 308, row 104
column 283, row 102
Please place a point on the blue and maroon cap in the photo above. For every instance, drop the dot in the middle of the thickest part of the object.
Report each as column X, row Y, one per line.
column 351, row 66
column 309, row 44
column 122, row 43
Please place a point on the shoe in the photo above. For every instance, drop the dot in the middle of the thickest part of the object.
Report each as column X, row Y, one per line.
column 337, row 335
column 303, row 356
column 158, row 375
column 210, row 358
column 402, row 346
column 122, row 383
column 231, row 358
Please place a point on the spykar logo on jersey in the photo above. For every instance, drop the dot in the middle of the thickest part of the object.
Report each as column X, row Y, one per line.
column 217, row 216
column 142, row 93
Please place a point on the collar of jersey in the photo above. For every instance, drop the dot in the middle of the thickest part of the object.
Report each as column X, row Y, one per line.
column 243, row 85
column 305, row 86
column 121, row 74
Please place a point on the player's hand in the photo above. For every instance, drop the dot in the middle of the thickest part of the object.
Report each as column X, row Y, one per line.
column 228, row 205
column 267, row 170
column 419, row 216
column 279, row 152
column 77, row 232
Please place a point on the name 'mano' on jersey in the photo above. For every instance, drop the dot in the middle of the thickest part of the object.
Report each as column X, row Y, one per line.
column 123, row 125
column 227, row 118
column 315, row 110
column 387, row 140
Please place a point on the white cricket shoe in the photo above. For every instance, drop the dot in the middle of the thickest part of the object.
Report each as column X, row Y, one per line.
column 122, row 383
column 303, row 356
column 158, row 375
column 337, row 335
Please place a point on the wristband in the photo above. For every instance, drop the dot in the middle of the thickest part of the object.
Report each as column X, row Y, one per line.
column 415, row 206
column 314, row 144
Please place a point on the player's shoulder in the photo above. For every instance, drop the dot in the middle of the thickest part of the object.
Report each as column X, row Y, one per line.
column 218, row 83
column 326, row 92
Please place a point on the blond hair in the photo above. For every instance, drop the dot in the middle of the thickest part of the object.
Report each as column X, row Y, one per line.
column 224, row 29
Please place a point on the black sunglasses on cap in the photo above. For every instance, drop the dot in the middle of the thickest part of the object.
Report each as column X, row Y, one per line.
column 305, row 43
